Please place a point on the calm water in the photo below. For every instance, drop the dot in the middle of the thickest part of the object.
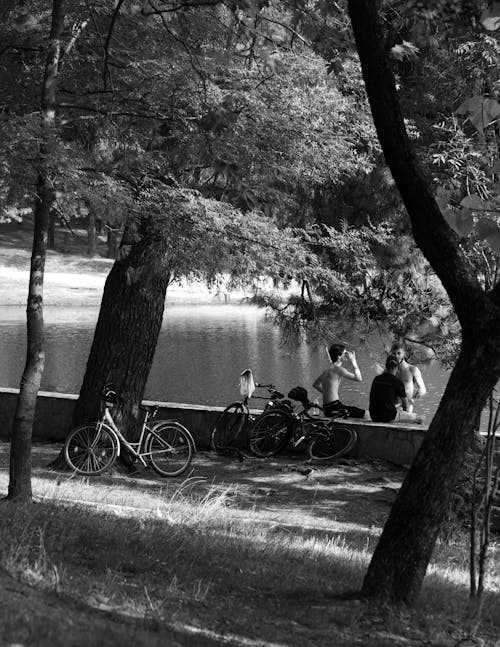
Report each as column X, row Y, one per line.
column 200, row 354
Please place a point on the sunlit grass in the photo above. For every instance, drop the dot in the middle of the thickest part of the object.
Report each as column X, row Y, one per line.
column 173, row 551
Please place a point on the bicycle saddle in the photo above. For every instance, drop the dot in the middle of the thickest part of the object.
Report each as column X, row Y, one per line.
column 145, row 407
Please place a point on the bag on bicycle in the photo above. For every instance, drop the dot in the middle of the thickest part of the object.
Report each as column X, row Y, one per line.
column 300, row 394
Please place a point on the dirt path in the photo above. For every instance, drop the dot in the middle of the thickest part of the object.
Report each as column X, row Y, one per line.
column 344, row 496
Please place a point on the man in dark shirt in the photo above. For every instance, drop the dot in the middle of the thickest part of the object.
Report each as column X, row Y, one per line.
column 386, row 390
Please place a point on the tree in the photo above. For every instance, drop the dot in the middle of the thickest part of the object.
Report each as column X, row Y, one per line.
column 217, row 133
column 20, row 453
column 401, row 557
column 175, row 233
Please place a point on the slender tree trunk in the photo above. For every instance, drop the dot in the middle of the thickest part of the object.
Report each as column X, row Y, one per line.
column 400, row 560
column 20, row 453
column 91, row 235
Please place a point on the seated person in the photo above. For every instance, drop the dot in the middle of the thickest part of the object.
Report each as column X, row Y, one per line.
column 385, row 392
column 329, row 381
column 409, row 374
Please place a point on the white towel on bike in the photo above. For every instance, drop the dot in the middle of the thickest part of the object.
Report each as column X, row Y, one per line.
column 247, row 384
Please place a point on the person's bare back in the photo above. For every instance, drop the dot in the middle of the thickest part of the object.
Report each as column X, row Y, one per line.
column 329, row 381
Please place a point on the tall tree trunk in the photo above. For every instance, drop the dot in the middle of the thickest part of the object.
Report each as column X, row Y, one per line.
column 400, row 560
column 20, row 452
column 128, row 326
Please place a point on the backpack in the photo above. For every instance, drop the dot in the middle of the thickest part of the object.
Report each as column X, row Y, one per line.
column 300, row 394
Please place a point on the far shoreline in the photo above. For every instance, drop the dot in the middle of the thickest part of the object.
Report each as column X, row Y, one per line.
column 78, row 290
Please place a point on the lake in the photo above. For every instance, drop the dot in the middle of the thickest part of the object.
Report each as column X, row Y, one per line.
column 201, row 352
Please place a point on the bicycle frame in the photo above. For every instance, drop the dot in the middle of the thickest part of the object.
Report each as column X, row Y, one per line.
column 133, row 448
column 309, row 426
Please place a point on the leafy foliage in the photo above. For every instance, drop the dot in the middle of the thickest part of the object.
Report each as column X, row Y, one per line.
column 245, row 131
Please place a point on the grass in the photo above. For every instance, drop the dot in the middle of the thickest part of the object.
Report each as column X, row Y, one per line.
column 193, row 564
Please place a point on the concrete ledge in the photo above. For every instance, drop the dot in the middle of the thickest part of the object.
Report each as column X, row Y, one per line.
column 398, row 443
column 54, row 413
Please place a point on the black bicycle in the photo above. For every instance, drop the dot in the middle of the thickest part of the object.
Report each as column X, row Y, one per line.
column 231, row 422
column 324, row 438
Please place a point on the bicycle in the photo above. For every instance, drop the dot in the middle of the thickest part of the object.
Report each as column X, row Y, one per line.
column 234, row 418
column 323, row 437
column 166, row 445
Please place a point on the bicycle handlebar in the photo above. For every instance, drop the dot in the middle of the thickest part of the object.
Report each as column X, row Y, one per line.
column 271, row 388
column 110, row 395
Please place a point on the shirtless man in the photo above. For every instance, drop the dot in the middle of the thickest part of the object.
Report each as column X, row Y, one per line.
column 409, row 374
column 329, row 381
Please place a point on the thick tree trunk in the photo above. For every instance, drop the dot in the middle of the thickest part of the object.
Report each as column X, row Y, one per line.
column 127, row 329
column 404, row 550
column 400, row 560
column 20, row 452
column 126, row 334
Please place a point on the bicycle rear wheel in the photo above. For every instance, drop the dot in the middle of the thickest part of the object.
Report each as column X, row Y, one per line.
column 331, row 443
column 228, row 426
column 271, row 433
column 90, row 449
column 170, row 449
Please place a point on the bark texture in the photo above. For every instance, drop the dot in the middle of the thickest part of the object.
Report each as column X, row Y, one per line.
column 402, row 555
column 128, row 326
column 22, row 429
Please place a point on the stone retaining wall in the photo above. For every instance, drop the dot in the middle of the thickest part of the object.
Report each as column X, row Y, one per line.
column 396, row 443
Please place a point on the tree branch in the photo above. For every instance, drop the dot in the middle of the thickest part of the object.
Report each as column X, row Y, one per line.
column 76, row 31
column 179, row 7
column 108, row 42
column 194, row 61
column 288, row 28
column 432, row 234
column 123, row 113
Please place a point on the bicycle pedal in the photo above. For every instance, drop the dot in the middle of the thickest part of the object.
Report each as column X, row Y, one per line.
column 297, row 442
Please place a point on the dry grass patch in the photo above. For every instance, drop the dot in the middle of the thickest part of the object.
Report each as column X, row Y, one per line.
column 203, row 557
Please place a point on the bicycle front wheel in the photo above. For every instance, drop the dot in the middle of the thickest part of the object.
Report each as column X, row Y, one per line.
column 331, row 443
column 228, row 426
column 90, row 449
column 271, row 433
column 169, row 449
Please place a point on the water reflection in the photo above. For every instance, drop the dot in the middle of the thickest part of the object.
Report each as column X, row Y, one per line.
column 200, row 353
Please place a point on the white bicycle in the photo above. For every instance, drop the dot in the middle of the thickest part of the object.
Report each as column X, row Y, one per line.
column 165, row 445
